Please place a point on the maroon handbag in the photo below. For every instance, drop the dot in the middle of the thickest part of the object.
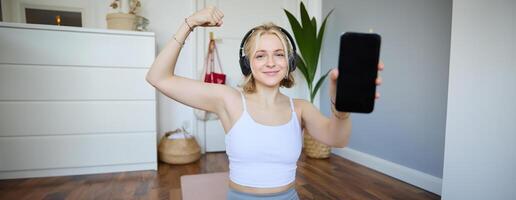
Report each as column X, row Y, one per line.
column 210, row 76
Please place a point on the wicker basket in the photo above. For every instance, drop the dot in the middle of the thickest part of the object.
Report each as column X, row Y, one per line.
column 178, row 151
column 314, row 149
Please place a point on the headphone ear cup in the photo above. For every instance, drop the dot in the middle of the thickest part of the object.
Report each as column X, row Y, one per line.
column 292, row 62
column 244, row 65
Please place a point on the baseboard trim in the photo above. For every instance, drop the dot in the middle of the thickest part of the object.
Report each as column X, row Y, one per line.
column 77, row 170
column 411, row 176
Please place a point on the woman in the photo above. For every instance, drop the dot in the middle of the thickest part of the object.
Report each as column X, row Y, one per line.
column 262, row 125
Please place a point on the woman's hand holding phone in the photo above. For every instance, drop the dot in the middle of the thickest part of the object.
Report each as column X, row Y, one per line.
column 334, row 75
column 359, row 63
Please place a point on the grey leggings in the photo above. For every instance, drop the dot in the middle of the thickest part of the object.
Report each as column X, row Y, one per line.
column 290, row 194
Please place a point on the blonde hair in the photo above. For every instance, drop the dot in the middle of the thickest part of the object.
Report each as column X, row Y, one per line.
column 249, row 85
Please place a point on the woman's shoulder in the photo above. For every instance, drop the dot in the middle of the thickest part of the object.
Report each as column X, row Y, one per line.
column 232, row 103
column 301, row 104
column 231, row 93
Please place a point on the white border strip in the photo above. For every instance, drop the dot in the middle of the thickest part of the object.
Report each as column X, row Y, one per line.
column 77, row 171
column 74, row 29
column 414, row 177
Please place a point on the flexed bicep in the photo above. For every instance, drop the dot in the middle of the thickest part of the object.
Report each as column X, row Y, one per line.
column 196, row 94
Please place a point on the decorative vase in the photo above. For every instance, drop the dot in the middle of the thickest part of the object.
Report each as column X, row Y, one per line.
column 121, row 21
column 313, row 148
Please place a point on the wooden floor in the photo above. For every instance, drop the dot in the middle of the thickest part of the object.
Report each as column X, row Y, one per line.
column 333, row 178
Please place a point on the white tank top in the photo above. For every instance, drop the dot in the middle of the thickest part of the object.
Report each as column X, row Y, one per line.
column 263, row 156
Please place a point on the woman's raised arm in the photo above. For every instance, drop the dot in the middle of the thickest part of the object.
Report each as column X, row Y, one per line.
column 187, row 91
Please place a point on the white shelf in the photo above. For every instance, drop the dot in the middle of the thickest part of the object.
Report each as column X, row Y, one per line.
column 73, row 29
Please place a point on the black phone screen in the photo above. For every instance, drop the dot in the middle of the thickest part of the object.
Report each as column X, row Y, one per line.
column 358, row 69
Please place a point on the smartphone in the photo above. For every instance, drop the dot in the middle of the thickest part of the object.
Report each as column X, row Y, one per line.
column 358, row 68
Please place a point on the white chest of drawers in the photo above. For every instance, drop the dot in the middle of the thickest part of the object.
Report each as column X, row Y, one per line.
column 75, row 101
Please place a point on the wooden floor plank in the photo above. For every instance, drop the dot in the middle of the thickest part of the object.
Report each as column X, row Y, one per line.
column 334, row 178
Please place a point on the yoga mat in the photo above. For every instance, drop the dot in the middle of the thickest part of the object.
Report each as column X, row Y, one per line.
column 213, row 186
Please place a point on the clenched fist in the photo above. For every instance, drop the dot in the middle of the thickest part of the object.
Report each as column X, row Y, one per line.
column 207, row 17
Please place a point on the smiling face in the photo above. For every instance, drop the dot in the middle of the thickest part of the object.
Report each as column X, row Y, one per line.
column 269, row 63
column 267, row 49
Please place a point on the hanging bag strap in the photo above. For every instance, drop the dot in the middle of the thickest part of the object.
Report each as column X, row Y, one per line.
column 211, row 58
column 207, row 61
column 216, row 51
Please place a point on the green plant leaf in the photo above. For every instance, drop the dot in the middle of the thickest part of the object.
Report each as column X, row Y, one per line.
column 321, row 33
column 302, row 67
column 314, row 28
column 305, row 18
column 296, row 28
column 299, row 35
column 315, row 52
column 318, row 85
column 309, row 39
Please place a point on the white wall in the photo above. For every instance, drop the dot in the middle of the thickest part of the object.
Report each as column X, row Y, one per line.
column 404, row 136
column 480, row 151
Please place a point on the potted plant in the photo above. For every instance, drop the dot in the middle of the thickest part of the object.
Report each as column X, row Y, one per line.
column 121, row 20
column 309, row 43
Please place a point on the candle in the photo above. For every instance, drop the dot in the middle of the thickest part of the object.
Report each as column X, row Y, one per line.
column 58, row 20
